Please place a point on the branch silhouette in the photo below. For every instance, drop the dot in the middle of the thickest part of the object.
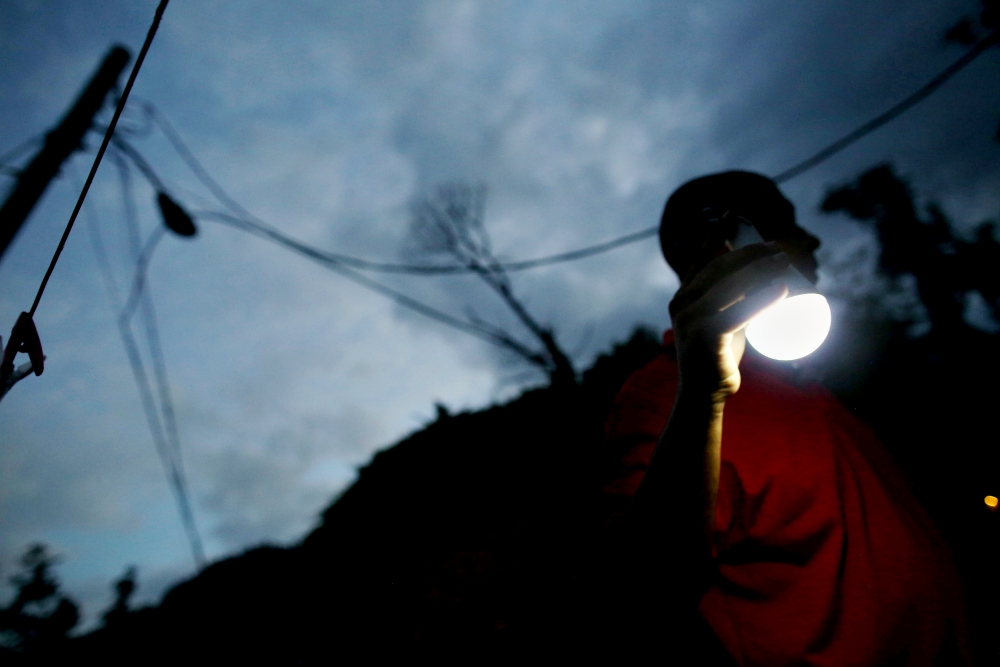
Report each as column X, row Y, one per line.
column 450, row 222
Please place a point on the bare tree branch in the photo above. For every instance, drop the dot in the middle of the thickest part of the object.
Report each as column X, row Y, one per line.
column 450, row 222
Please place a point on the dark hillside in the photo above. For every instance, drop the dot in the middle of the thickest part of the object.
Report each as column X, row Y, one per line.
column 468, row 538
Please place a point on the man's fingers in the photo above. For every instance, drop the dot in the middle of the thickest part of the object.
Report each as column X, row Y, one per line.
column 747, row 280
column 718, row 269
column 738, row 315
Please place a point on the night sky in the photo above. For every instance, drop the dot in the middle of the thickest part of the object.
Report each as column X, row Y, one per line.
column 328, row 120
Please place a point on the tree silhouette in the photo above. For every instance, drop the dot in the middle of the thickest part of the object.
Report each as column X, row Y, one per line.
column 450, row 222
column 39, row 618
column 932, row 397
column 124, row 588
column 945, row 266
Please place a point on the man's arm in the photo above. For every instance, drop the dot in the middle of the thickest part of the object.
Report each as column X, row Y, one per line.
column 675, row 505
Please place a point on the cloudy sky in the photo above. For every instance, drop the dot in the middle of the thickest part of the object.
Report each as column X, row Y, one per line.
column 328, row 120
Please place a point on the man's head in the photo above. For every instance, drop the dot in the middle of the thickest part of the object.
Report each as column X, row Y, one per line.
column 686, row 227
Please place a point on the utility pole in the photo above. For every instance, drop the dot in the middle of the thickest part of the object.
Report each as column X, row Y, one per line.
column 59, row 145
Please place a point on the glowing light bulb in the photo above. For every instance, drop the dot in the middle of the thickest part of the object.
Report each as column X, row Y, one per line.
column 795, row 326
column 991, row 502
column 792, row 328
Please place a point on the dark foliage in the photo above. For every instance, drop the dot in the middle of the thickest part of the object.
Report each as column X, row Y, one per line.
column 451, row 223
column 39, row 618
column 932, row 399
column 945, row 266
column 124, row 588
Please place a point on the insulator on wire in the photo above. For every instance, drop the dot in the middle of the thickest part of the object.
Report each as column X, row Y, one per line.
column 174, row 216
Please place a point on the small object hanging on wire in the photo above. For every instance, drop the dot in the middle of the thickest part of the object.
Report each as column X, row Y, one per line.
column 175, row 217
column 23, row 338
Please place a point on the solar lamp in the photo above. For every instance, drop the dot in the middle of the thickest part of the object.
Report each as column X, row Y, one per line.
column 795, row 326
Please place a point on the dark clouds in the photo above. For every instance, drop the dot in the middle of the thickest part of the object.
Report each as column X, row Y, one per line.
column 328, row 119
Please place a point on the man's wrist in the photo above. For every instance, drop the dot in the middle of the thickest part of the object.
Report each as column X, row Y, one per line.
column 700, row 395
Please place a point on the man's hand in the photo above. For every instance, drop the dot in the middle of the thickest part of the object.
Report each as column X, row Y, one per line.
column 710, row 311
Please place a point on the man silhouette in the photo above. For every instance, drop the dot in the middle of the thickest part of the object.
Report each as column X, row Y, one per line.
column 760, row 500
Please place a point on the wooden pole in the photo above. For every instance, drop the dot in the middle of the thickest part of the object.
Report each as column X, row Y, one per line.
column 59, row 145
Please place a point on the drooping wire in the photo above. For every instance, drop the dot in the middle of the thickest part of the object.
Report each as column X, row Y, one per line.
column 162, row 421
column 181, row 148
column 146, row 396
column 137, row 293
column 476, row 328
column 344, row 264
column 341, row 264
column 892, row 113
column 100, row 153
column 332, row 261
column 796, row 170
column 139, row 161
column 100, row 251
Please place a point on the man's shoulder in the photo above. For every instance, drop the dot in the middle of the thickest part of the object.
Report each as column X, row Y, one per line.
column 653, row 384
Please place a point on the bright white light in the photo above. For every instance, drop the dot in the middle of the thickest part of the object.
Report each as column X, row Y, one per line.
column 791, row 328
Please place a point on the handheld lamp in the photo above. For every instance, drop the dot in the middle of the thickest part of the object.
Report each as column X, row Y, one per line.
column 795, row 326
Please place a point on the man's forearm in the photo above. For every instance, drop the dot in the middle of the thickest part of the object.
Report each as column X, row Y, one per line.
column 676, row 501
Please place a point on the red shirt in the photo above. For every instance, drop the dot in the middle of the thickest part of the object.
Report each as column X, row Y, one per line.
column 824, row 556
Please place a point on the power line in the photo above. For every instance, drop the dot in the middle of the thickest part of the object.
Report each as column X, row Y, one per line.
column 345, row 264
column 342, row 264
column 139, row 161
column 163, row 438
column 163, row 424
column 181, row 148
column 386, row 267
column 100, row 153
column 169, row 417
column 892, row 113
column 599, row 248
column 226, row 200
column 476, row 328
column 436, row 270
column 169, row 459
column 138, row 293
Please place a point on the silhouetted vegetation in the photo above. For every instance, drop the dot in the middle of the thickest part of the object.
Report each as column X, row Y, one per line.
column 932, row 398
column 451, row 223
column 38, row 620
